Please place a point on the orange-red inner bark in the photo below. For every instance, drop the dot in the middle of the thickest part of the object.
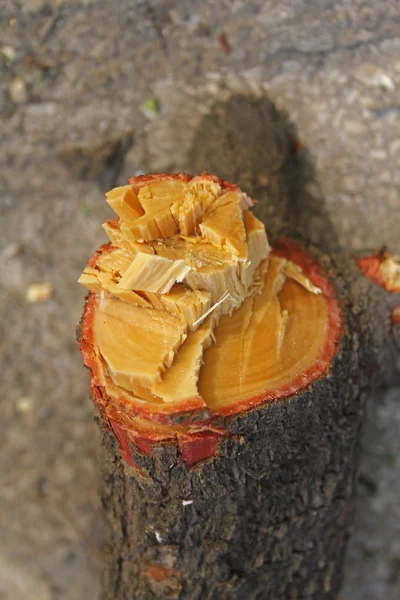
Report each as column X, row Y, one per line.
column 373, row 266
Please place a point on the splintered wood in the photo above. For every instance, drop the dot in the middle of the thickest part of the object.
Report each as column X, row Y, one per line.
column 189, row 308
column 382, row 268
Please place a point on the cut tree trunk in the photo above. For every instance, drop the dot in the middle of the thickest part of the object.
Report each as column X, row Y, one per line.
column 255, row 501
column 268, row 516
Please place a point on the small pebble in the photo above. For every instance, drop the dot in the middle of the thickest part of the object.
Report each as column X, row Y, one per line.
column 9, row 53
column 11, row 250
column 158, row 537
column 39, row 292
column 18, row 91
column 24, row 405
column 373, row 76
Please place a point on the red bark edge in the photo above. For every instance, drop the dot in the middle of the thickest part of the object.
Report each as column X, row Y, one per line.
column 371, row 267
column 395, row 315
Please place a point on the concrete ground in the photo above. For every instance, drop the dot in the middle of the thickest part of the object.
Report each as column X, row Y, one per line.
column 94, row 91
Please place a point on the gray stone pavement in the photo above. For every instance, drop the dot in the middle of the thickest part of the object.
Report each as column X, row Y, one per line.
column 93, row 91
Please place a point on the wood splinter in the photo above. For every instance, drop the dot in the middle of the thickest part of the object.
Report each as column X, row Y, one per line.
column 221, row 367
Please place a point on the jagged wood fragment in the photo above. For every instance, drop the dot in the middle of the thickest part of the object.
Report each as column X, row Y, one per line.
column 120, row 331
column 125, row 203
column 181, row 380
column 151, row 273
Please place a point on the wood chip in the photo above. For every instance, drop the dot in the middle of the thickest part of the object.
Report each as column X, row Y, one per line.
column 39, row 292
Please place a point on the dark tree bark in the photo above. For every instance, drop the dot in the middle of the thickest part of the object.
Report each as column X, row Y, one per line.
column 269, row 516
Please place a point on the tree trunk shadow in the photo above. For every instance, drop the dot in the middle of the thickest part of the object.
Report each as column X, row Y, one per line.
column 250, row 142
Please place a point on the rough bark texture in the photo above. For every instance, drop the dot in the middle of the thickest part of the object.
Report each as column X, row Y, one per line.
column 269, row 516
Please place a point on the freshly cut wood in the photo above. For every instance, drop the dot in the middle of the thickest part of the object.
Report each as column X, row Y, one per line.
column 189, row 304
column 226, row 377
column 180, row 382
column 278, row 337
column 120, row 330
column 225, row 229
column 150, row 351
column 151, row 273
column 125, row 203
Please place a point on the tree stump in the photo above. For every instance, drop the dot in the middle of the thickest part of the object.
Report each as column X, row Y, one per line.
column 252, row 499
